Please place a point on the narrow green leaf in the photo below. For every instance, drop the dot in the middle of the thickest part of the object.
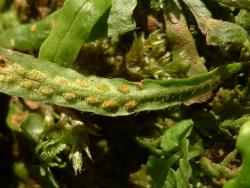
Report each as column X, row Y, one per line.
column 73, row 27
column 39, row 80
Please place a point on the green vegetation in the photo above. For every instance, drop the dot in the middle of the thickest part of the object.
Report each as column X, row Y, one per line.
column 241, row 144
column 124, row 93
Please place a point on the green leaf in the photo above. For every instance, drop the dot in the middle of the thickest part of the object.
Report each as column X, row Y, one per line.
column 26, row 37
column 242, row 144
column 33, row 126
column 28, row 77
column 184, row 172
column 116, row 21
column 162, row 170
column 73, row 27
column 171, row 139
column 170, row 180
column 120, row 19
column 30, row 36
column 158, row 170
